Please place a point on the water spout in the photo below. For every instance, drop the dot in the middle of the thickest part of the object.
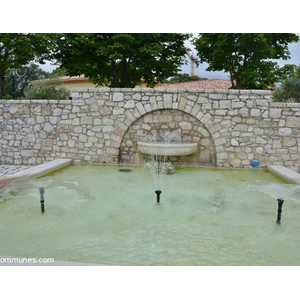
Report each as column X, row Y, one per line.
column 158, row 192
column 42, row 191
column 280, row 202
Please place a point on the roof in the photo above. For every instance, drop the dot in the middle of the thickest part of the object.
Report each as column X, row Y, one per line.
column 199, row 84
column 64, row 79
column 80, row 78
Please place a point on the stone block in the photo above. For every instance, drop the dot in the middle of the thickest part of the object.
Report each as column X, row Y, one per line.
column 244, row 112
column 238, row 104
column 54, row 120
column 275, row 113
column 26, row 153
column 137, row 96
column 129, row 104
column 118, row 111
column 234, row 142
column 216, row 96
column 289, row 141
column 292, row 122
column 185, row 125
column 285, row 131
column 13, row 109
column 254, row 112
column 262, row 103
column 117, row 97
column 48, row 127
column 140, row 108
column 182, row 103
column 225, row 104
column 202, row 100
column 204, row 156
column 108, row 128
column 86, row 120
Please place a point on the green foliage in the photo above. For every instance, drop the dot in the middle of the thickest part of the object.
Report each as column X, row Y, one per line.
column 289, row 90
column 47, row 89
column 18, row 49
column 184, row 78
column 121, row 59
column 58, row 72
column 247, row 57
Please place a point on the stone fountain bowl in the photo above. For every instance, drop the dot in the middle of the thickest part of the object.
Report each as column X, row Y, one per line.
column 167, row 149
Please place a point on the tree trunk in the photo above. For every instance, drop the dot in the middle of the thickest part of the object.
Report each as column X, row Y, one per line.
column 239, row 85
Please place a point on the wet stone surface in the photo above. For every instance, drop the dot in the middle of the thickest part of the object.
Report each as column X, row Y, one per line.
column 7, row 170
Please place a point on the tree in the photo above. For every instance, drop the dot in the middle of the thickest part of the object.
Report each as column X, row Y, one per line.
column 47, row 89
column 121, row 59
column 185, row 78
column 290, row 89
column 58, row 72
column 17, row 50
column 247, row 57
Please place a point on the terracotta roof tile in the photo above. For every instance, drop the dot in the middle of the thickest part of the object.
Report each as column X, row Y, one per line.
column 199, row 84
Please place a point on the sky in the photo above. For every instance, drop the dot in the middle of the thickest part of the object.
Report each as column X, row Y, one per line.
column 201, row 69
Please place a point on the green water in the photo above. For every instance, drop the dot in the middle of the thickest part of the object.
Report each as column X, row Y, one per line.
column 96, row 214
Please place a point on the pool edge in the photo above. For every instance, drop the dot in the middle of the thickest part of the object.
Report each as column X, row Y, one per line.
column 36, row 171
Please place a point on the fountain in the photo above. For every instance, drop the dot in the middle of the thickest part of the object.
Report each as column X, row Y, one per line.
column 206, row 217
column 171, row 149
column 166, row 144
column 158, row 147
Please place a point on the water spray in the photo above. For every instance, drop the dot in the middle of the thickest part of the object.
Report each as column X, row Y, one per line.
column 42, row 191
column 158, row 192
column 280, row 202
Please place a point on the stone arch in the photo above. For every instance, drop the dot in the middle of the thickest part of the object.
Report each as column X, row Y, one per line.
column 185, row 124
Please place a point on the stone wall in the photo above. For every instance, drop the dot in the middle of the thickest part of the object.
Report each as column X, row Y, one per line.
column 232, row 127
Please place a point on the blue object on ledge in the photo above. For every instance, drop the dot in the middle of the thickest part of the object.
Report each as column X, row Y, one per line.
column 254, row 163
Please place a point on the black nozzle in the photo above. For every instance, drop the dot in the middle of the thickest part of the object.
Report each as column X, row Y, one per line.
column 158, row 192
column 279, row 211
column 42, row 192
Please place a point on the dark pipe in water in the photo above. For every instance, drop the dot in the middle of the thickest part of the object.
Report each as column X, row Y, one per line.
column 42, row 191
column 158, row 192
column 280, row 202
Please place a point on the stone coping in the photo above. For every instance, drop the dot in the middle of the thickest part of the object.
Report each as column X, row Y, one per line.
column 36, row 171
column 285, row 173
column 175, row 90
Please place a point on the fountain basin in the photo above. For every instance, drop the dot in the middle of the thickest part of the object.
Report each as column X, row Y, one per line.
column 167, row 149
column 205, row 217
